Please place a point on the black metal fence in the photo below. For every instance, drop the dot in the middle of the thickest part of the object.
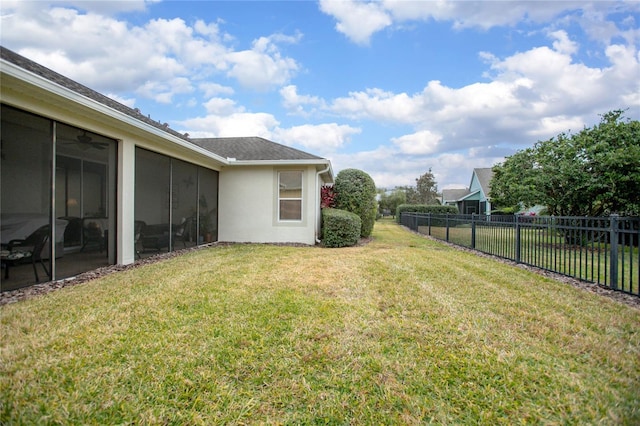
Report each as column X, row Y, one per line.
column 602, row 250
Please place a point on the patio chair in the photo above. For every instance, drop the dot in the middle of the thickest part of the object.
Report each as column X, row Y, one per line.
column 92, row 233
column 138, row 226
column 184, row 231
column 28, row 250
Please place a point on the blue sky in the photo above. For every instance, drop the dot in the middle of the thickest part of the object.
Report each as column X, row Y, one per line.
column 394, row 88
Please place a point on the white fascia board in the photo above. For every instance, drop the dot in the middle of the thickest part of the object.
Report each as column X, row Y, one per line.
column 319, row 162
column 469, row 195
column 63, row 92
column 324, row 163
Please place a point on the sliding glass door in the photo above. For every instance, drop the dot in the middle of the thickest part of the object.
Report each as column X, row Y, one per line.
column 85, row 198
column 175, row 204
column 57, row 199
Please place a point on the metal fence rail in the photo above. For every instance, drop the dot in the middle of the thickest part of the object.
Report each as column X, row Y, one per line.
column 602, row 250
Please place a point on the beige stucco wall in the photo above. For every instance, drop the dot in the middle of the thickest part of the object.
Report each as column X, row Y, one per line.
column 248, row 206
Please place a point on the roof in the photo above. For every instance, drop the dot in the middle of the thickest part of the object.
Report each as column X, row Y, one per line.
column 484, row 178
column 42, row 71
column 454, row 194
column 252, row 149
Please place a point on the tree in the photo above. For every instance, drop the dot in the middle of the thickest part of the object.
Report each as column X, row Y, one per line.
column 591, row 173
column 427, row 189
column 356, row 193
column 410, row 194
column 391, row 201
column 514, row 181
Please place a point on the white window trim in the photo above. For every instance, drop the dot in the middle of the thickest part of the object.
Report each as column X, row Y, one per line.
column 301, row 198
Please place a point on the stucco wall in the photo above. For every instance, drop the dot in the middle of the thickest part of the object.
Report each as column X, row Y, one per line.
column 248, row 206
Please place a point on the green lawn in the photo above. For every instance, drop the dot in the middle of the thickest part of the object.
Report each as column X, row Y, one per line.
column 589, row 262
column 402, row 330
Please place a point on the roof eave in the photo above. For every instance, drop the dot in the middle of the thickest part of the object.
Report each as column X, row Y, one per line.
column 326, row 167
column 468, row 195
column 307, row 162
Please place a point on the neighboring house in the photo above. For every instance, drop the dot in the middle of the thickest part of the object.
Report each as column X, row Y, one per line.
column 475, row 199
column 450, row 197
column 111, row 185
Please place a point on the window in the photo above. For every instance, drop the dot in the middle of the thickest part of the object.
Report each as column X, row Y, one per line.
column 290, row 195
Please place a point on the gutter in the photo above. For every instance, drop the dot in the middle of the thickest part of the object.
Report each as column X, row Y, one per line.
column 311, row 162
column 317, row 209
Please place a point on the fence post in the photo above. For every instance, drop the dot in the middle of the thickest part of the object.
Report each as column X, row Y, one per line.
column 613, row 250
column 518, row 239
column 447, row 227
column 473, row 230
column 429, row 223
column 415, row 222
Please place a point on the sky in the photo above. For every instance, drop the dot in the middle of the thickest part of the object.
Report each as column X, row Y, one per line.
column 393, row 88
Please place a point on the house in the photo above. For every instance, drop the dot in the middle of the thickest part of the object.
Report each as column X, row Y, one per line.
column 109, row 184
column 475, row 199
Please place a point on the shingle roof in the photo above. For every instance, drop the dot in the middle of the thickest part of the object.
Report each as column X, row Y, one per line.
column 252, row 149
column 29, row 65
column 484, row 178
column 454, row 194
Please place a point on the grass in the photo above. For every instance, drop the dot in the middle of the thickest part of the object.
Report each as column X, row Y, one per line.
column 403, row 330
column 589, row 262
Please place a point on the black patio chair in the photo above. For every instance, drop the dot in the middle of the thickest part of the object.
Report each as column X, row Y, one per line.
column 92, row 233
column 138, row 227
column 28, row 250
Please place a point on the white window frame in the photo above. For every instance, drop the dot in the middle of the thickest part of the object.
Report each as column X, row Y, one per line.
column 300, row 198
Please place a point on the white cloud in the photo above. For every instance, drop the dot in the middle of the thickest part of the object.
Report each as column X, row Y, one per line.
column 555, row 125
column 130, row 102
column 357, row 20
column 318, row 138
column 528, row 97
column 419, row 143
column 109, row 54
column 163, row 92
column 562, row 44
column 213, row 89
column 531, row 95
column 390, row 169
column 377, row 104
column 221, row 106
column 296, row 103
column 262, row 67
column 233, row 125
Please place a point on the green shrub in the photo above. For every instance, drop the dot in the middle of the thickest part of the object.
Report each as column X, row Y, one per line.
column 505, row 211
column 356, row 193
column 425, row 208
column 340, row 228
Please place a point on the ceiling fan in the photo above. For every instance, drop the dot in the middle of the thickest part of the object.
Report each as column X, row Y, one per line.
column 85, row 141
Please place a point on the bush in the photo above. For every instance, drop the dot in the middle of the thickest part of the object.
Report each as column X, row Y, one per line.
column 340, row 228
column 356, row 193
column 425, row 208
column 507, row 211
